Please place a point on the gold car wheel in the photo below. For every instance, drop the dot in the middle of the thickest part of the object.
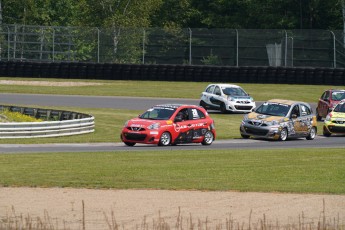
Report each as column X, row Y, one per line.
column 283, row 134
column 311, row 134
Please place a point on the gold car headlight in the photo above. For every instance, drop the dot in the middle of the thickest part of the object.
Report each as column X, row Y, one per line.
column 272, row 123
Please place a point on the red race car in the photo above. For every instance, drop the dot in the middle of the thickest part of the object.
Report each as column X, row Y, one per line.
column 170, row 124
column 328, row 100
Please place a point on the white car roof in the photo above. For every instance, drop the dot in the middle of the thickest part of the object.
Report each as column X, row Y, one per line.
column 225, row 85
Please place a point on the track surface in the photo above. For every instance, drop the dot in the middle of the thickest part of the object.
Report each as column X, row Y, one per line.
column 141, row 104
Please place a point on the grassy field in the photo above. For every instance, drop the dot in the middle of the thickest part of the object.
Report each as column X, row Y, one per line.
column 110, row 121
column 260, row 92
column 293, row 170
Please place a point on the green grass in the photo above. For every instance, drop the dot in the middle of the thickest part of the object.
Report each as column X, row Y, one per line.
column 109, row 123
column 293, row 170
column 260, row 92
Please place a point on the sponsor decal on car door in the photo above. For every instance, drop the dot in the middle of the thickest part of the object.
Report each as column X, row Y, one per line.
column 200, row 124
column 300, row 122
column 186, row 132
column 216, row 98
column 183, row 128
column 193, row 128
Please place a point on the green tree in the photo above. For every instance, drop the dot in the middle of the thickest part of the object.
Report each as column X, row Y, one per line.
column 116, row 13
column 251, row 14
column 38, row 12
column 294, row 14
column 175, row 13
column 121, row 22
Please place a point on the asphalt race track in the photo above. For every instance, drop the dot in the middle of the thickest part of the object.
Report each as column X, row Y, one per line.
column 141, row 104
column 135, row 103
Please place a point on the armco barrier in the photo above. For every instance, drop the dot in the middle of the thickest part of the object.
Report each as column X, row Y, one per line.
column 155, row 72
column 66, row 123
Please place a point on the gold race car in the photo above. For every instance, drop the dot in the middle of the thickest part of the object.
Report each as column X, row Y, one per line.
column 280, row 119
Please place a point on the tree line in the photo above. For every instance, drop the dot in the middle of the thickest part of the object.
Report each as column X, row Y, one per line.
column 235, row 14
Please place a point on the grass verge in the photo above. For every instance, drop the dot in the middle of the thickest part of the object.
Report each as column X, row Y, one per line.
column 164, row 89
column 109, row 123
column 279, row 170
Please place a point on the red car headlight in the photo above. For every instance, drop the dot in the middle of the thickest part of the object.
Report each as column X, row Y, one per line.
column 154, row 126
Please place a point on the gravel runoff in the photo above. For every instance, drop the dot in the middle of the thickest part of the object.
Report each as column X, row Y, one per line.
column 131, row 208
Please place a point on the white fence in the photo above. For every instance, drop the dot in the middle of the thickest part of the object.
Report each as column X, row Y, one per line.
column 74, row 126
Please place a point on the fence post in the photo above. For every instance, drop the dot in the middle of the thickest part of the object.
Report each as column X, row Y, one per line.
column 285, row 56
column 15, row 42
column 98, row 32
column 237, row 47
column 8, row 43
column 144, row 38
column 53, row 44
column 190, row 46
column 334, row 51
column 292, row 47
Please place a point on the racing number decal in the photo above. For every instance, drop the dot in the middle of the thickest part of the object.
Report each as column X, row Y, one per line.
column 195, row 114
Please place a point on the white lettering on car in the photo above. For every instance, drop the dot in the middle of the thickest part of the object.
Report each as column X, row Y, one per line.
column 179, row 127
column 153, row 132
column 136, row 125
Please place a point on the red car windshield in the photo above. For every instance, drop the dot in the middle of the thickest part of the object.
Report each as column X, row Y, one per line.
column 158, row 113
column 338, row 95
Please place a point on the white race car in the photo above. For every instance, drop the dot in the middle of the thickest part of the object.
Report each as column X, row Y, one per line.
column 227, row 98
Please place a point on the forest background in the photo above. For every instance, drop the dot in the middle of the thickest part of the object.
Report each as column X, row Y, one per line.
column 234, row 14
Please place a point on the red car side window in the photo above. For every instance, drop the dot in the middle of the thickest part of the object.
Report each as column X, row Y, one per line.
column 326, row 96
column 197, row 114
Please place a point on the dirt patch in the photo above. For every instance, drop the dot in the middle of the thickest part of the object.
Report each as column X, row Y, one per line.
column 48, row 83
column 130, row 207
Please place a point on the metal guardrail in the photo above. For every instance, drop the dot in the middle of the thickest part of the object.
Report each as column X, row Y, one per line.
column 69, row 123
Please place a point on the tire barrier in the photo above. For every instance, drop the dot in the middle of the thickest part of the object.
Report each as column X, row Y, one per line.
column 65, row 123
column 155, row 72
